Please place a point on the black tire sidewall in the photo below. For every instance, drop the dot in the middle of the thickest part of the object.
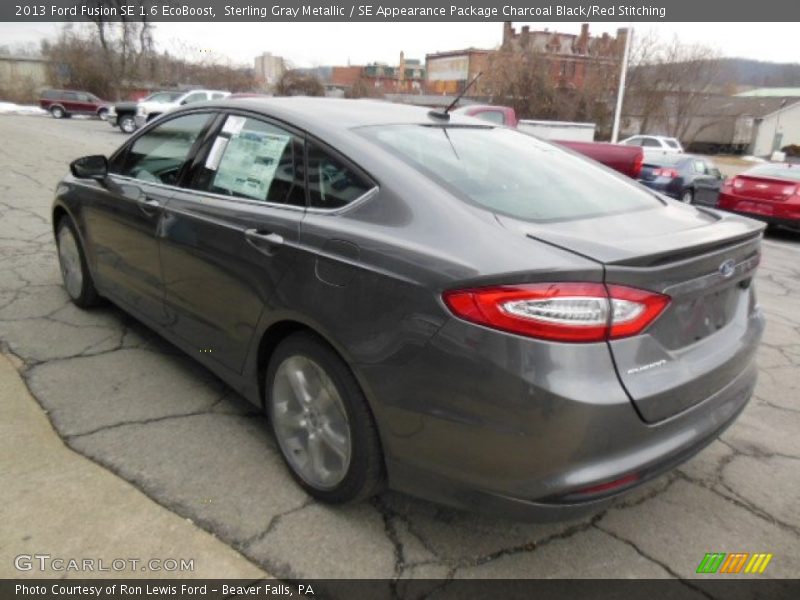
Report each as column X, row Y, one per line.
column 131, row 121
column 57, row 112
column 365, row 473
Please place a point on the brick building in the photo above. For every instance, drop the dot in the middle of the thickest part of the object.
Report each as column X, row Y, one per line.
column 407, row 77
column 572, row 58
column 449, row 72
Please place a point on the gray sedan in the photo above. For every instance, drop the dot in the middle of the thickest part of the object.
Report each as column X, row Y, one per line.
column 424, row 300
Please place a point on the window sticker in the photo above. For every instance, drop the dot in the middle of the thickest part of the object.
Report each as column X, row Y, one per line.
column 233, row 125
column 215, row 155
column 248, row 166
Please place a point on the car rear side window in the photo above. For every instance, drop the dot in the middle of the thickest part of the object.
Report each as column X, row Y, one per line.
column 331, row 183
column 158, row 155
column 493, row 116
column 256, row 160
column 511, row 173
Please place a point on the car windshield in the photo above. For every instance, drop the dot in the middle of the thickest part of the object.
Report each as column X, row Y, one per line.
column 511, row 173
column 792, row 173
column 672, row 143
column 163, row 97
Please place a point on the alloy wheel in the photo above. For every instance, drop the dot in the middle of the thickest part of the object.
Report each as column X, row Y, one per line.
column 127, row 124
column 69, row 259
column 310, row 422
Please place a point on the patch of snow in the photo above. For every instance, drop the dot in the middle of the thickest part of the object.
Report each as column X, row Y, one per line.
column 20, row 109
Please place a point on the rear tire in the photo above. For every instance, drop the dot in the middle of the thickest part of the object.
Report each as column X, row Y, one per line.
column 75, row 273
column 687, row 197
column 127, row 124
column 57, row 112
column 325, row 430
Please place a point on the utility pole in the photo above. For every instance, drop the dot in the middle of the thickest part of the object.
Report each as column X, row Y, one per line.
column 621, row 90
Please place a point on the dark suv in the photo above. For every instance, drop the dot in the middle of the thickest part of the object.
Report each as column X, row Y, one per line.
column 65, row 103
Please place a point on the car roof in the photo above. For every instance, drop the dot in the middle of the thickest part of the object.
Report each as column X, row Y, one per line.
column 340, row 114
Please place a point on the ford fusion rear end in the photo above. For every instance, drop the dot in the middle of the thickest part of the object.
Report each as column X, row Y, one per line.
column 552, row 389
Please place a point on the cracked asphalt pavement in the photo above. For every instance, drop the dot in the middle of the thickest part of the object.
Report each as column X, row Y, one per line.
column 128, row 400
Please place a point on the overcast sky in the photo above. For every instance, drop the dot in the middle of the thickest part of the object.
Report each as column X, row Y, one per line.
column 311, row 44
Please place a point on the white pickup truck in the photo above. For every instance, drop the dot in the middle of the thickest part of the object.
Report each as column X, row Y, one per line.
column 149, row 110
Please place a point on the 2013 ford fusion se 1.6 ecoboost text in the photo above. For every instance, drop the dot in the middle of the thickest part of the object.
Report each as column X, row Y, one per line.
column 422, row 300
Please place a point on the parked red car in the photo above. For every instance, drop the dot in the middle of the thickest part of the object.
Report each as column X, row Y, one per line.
column 624, row 159
column 768, row 192
column 65, row 103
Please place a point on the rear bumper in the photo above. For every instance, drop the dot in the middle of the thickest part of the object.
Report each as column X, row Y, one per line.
column 503, row 428
column 785, row 213
column 666, row 187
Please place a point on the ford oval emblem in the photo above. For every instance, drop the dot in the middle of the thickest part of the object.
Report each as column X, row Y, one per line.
column 728, row 268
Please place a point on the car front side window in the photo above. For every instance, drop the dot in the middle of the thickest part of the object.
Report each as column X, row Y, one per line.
column 158, row 155
column 255, row 160
column 196, row 97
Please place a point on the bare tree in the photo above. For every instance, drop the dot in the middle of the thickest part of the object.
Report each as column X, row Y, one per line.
column 299, row 83
column 668, row 83
column 364, row 88
column 126, row 43
column 520, row 80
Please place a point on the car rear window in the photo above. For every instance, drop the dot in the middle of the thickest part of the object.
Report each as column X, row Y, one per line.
column 672, row 143
column 665, row 160
column 789, row 172
column 511, row 173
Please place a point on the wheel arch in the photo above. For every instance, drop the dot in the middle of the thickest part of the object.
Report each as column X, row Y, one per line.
column 281, row 329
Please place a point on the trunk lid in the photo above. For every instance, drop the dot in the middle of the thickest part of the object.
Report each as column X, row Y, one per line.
column 764, row 188
column 703, row 260
column 647, row 172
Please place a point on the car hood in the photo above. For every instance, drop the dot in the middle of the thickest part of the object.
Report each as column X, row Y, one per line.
column 641, row 237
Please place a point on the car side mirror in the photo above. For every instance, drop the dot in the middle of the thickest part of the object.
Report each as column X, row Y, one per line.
column 184, row 102
column 94, row 166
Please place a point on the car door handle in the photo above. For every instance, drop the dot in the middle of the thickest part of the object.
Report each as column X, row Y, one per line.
column 264, row 241
column 148, row 205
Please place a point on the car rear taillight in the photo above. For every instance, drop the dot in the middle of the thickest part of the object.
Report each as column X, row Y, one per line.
column 661, row 172
column 737, row 183
column 637, row 165
column 564, row 312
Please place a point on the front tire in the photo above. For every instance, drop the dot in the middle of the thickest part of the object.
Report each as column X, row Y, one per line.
column 320, row 418
column 687, row 197
column 102, row 114
column 127, row 124
column 75, row 274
